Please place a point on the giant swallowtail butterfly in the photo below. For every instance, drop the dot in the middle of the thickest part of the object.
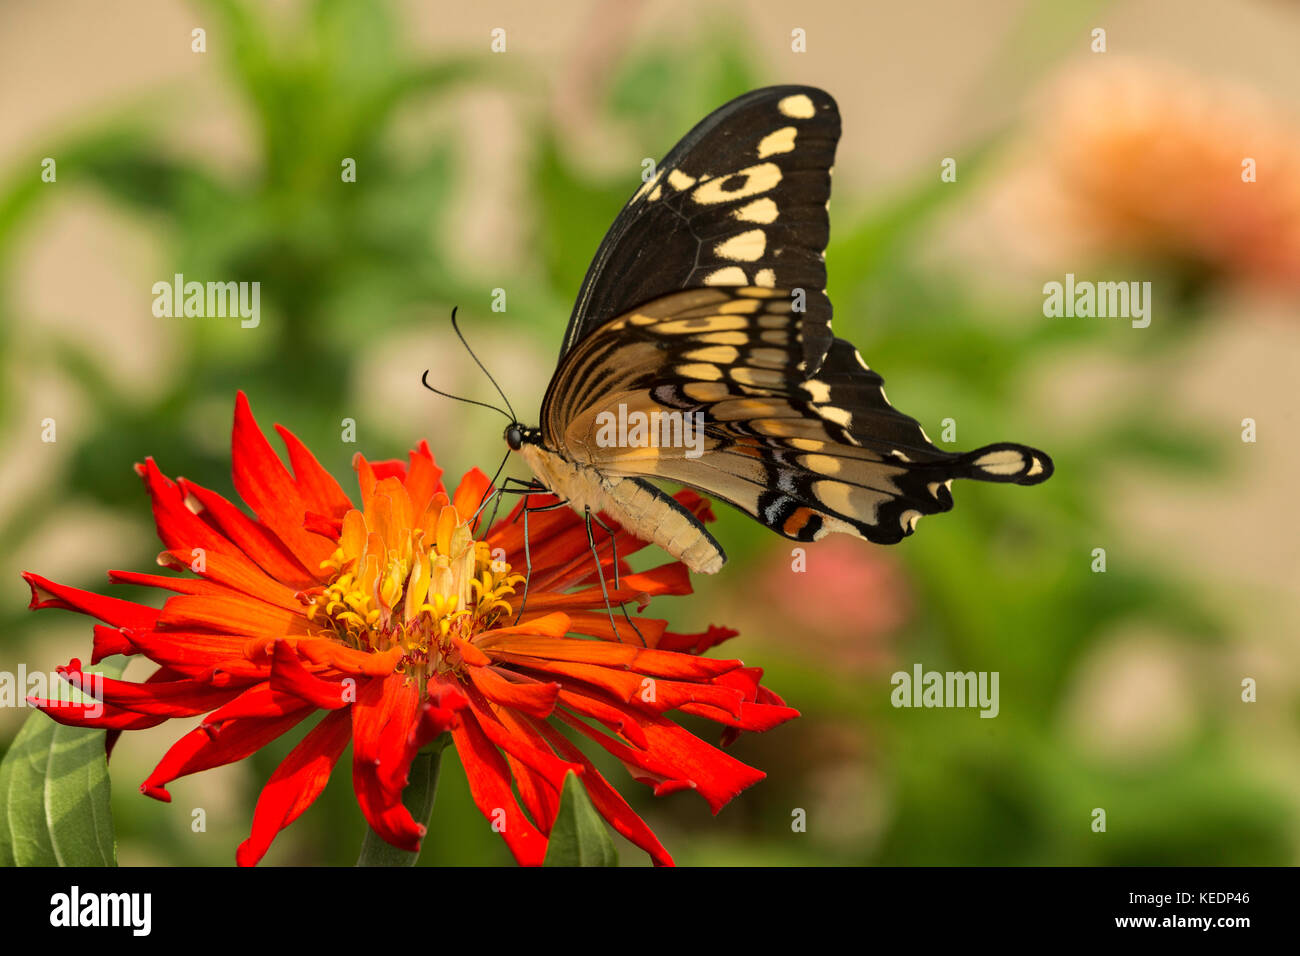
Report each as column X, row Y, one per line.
column 705, row 308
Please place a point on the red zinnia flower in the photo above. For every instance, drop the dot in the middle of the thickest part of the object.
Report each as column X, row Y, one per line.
column 399, row 624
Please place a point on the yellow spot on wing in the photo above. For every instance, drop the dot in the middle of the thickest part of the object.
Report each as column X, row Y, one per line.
column 819, row 391
column 746, row 306
column 849, row 500
column 723, row 338
column 760, row 210
column 798, row 106
column 707, row 373
column 680, row 181
column 757, row 377
column 770, row 358
column 749, row 246
column 717, row 354
column 706, row 391
column 824, row 464
column 765, row 278
column 839, row 416
column 782, row 141
column 740, row 409
column 757, row 179
column 731, row 275
column 648, row 185
column 1005, row 462
column 712, row 323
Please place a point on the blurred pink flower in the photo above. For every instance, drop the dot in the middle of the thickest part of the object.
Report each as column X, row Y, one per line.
column 849, row 598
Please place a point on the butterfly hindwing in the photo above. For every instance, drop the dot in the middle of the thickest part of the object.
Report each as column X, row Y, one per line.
column 804, row 452
column 740, row 201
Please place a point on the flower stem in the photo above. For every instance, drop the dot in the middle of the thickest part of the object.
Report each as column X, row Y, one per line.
column 418, row 798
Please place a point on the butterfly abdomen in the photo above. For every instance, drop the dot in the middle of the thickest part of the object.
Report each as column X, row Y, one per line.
column 638, row 506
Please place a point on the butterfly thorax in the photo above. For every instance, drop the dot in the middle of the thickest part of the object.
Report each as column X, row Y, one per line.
column 638, row 506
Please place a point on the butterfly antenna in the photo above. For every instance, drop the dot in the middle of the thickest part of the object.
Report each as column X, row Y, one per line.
column 469, row 401
column 461, row 336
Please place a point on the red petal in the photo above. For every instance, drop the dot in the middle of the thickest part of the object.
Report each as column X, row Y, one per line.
column 331, row 528
column 166, row 582
column 45, row 593
column 600, row 707
column 695, row 643
column 259, row 702
column 109, row 717
column 389, row 468
column 523, row 694
column 238, row 573
column 423, row 479
column 288, row 676
column 251, row 538
column 597, row 624
column 189, row 652
column 200, row 750
column 109, row 641
column 250, row 550
column 680, row 757
column 265, row 485
column 539, row 794
column 296, row 783
column 383, row 719
column 349, row 660
column 673, row 578
column 471, row 493
column 609, row 654
column 175, row 698
column 607, row 801
column 319, row 491
column 489, row 785
column 542, row 761
column 439, row 712
column 233, row 613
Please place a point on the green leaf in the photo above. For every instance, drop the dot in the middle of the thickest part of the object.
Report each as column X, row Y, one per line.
column 418, row 797
column 54, row 790
column 579, row 837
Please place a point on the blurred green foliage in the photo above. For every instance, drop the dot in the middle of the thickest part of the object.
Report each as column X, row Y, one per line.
column 998, row 586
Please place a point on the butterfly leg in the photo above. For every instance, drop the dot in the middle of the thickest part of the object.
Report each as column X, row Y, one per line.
column 510, row 486
column 613, row 545
column 528, row 557
column 600, row 574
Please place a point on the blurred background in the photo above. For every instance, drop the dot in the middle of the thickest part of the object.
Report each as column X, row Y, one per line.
column 476, row 170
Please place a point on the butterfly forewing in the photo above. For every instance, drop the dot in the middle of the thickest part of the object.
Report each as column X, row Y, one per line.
column 740, row 201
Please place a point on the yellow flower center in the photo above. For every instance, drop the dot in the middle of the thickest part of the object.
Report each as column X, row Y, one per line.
column 416, row 585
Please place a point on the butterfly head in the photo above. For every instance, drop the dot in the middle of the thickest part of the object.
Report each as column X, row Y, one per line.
column 517, row 435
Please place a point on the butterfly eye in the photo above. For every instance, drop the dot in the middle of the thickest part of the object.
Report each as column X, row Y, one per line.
column 514, row 436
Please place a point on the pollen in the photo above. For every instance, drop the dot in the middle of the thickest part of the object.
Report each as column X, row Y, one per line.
column 416, row 585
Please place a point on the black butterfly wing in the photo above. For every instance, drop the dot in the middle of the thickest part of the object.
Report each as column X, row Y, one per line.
column 739, row 201
column 806, row 453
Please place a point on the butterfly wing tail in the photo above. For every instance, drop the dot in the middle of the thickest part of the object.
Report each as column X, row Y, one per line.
column 1004, row 462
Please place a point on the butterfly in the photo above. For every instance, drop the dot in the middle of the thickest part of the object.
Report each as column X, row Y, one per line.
column 700, row 352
